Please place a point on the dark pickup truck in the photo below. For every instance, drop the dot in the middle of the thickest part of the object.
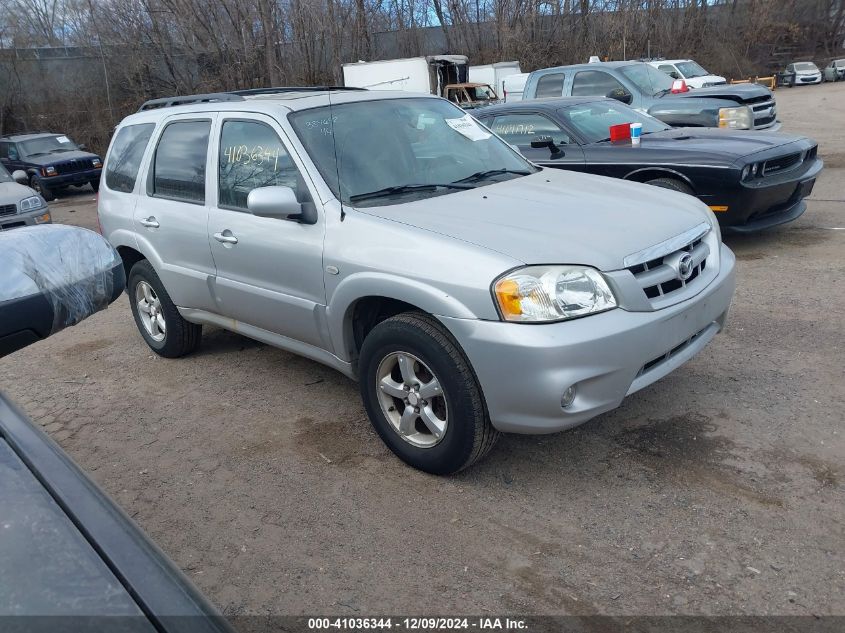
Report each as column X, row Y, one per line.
column 649, row 90
column 51, row 161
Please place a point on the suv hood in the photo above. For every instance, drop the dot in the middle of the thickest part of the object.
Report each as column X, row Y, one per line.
column 59, row 157
column 555, row 217
column 741, row 93
column 12, row 193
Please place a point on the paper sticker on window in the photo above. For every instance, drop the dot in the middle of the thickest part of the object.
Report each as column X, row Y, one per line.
column 423, row 121
column 63, row 139
column 467, row 126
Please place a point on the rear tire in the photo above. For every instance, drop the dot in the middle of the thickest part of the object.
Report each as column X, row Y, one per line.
column 671, row 183
column 441, row 382
column 156, row 316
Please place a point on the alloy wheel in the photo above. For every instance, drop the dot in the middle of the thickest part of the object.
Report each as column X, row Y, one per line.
column 150, row 312
column 412, row 399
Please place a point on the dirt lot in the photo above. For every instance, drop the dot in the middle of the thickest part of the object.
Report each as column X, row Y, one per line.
column 718, row 490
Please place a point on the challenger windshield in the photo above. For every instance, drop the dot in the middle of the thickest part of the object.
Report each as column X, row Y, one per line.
column 380, row 152
column 593, row 120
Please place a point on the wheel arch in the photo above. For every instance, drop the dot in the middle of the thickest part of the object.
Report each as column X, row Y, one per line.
column 644, row 174
column 362, row 301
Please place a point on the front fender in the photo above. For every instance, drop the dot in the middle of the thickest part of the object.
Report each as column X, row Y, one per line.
column 374, row 284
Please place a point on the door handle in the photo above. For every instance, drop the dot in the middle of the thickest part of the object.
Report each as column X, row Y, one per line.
column 226, row 239
column 150, row 222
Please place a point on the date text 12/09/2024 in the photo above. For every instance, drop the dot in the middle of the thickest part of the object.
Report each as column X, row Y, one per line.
column 418, row 624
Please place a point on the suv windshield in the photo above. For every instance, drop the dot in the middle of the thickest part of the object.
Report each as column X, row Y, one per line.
column 374, row 152
column 4, row 175
column 593, row 120
column 48, row 145
column 648, row 79
column 691, row 69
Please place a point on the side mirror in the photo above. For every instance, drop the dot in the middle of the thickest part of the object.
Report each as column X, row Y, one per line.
column 540, row 142
column 20, row 177
column 620, row 94
column 280, row 202
column 675, row 74
column 82, row 146
column 54, row 276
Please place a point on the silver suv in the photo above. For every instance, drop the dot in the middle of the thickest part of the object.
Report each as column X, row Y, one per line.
column 393, row 237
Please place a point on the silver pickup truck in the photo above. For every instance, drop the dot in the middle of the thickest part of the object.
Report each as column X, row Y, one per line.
column 393, row 237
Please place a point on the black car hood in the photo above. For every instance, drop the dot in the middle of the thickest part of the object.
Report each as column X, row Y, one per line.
column 741, row 93
column 725, row 145
column 59, row 157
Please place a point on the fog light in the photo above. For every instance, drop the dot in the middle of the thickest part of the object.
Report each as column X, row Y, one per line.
column 42, row 219
column 568, row 397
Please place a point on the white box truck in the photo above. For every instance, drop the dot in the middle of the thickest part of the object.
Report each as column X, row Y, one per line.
column 414, row 74
column 494, row 74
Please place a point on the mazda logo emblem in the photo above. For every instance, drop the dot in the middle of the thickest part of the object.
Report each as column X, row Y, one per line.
column 685, row 267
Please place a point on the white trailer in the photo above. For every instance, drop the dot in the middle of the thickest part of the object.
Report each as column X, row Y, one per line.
column 414, row 74
column 494, row 74
column 513, row 87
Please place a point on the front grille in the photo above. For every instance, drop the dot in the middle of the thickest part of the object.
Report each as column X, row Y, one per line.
column 765, row 112
column 781, row 163
column 8, row 209
column 660, row 277
column 11, row 225
column 654, row 362
column 72, row 166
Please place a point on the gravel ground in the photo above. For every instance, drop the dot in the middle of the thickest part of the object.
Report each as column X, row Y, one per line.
column 717, row 490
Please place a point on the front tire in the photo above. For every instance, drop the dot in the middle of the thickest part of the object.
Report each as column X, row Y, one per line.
column 156, row 316
column 95, row 185
column 422, row 395
column 41, row 189
column 673, row 184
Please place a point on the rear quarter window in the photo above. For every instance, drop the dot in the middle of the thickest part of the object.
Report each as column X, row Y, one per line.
column 124, row 159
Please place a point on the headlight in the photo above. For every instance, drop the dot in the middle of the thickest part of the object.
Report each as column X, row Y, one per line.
column 48, row 171
column 750, row 171
column 31, row 203
column 739, row 118
column 97, row 162
column 538, row 294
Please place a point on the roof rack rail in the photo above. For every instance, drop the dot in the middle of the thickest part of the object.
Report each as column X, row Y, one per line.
column 211, row 97
column 24, row 133
column 283, row 89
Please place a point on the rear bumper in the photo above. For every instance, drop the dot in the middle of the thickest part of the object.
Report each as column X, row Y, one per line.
column 524, row 369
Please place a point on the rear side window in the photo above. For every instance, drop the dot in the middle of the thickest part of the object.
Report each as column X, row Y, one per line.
column 180, row 158
column 550, row 85
column 124, row 160
column 589, row 83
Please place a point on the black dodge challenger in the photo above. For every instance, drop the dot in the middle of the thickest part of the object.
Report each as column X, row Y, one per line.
column 752, row 180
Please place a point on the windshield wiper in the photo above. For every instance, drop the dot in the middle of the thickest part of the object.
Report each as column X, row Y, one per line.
column 481, row 175
column 390, row 191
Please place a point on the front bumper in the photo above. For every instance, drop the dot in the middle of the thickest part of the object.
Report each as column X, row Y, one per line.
column 767, row 202
column 524, row 369
column 30, row 218
column 75, row 178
